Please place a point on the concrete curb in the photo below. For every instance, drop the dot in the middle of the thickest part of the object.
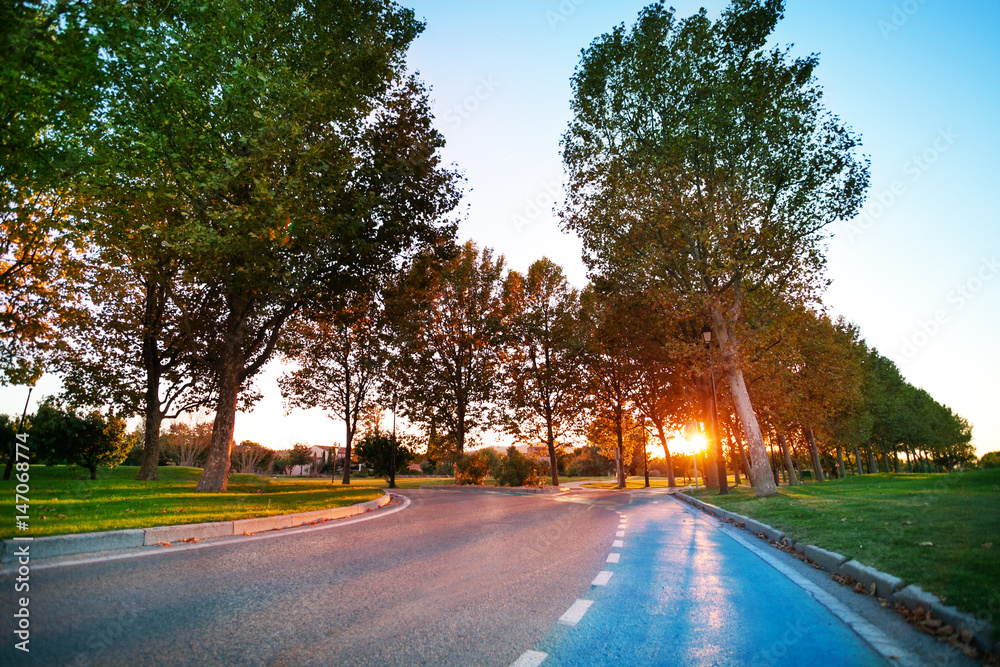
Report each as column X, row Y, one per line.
column 112, row 540
column 887, row 586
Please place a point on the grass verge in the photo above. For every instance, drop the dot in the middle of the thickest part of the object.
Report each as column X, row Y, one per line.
column 63, row 500
column 941, row 532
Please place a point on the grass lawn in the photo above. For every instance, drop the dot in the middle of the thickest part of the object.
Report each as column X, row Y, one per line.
column 941, row 532
column 636, row 482
column 64, row 500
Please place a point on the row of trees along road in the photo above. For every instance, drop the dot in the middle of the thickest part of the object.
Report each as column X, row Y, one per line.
column 218, row 168
column 198, row 188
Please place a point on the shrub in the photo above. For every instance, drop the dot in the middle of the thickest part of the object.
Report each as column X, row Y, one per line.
column 471, row 469
column 427, row 467
column 517, row 470
column 445, row 468
column 990, row 460
column 375, row 452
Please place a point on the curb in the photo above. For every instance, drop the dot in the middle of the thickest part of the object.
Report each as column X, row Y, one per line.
column 113, row 540
column 887, row 586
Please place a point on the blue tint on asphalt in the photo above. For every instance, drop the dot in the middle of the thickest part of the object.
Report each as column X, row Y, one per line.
column 685, row 593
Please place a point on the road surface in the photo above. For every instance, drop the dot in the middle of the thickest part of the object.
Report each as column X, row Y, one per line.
column 448, row 578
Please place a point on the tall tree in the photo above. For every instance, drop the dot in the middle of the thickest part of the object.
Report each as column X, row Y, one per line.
column 50, row 78
column 293, row 158
column 544, row 383
column 703, row 163
column 450, row 320
column 341, row 358
column 610, row 373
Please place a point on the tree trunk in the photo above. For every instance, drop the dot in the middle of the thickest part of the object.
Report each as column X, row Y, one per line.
column 739, row 446
column 840, row 462
column 895, row 461
column 216, row 473
column 787, row 457
column 760, row 476
column 814, row 451
column 666, row 452
column 711, row 472
column 857, row 460
column 620, row 467
column 460, row 428
column 348, row 443
column 551, row 442
column 152, row 321
column 92, row 466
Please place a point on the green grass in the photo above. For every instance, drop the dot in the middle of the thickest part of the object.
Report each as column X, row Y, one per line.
column 890, row 522
column 637, row 482
column 64, row 500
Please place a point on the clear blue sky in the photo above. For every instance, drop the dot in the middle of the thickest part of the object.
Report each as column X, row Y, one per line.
column 920, row 80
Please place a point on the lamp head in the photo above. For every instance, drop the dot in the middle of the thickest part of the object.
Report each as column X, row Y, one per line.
column 706, row 333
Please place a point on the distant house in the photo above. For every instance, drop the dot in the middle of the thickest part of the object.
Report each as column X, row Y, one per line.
column 321, row 454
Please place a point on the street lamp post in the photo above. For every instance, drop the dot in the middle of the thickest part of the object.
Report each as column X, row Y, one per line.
column 706, row 333
column 20, row 430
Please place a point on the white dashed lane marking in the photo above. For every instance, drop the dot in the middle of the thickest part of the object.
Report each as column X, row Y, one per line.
column 618, row 544
column 620, row 533
column 613, row 558
column 530, row 659
column 575, row 612
column 602, row 578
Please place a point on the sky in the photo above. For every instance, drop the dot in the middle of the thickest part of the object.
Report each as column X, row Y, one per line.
column 918, row 270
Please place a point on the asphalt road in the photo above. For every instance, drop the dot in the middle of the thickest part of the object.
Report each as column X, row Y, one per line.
column 454, row 578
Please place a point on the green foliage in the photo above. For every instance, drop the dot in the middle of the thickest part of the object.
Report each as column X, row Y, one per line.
column 471, row 469
column 990, row 460
column 61, row 435
column 517, row 470
column 449, row 320
column 375, row 451
column 589, row 462
column 300, row 455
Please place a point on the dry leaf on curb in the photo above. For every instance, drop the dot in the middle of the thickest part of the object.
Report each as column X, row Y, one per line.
column 164, row 544
column 871, row 589
column 247, row 532
column 190, row 539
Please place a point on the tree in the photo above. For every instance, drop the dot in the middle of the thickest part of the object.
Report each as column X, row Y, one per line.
column 292, row 158
column 609, row 374
column 251, row 457
column 186, row 444
column 450, row 319
column 300, row 456
column 703, row 164
column 341, row 358
column 62, row 435
column 50, row 78
column 128, row 349
column 375, row 452
column 990, row 460
column 543, row 369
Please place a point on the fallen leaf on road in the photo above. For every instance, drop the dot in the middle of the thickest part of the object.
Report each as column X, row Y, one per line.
column 247, row 532
column 190, row 539
column 164, row 544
